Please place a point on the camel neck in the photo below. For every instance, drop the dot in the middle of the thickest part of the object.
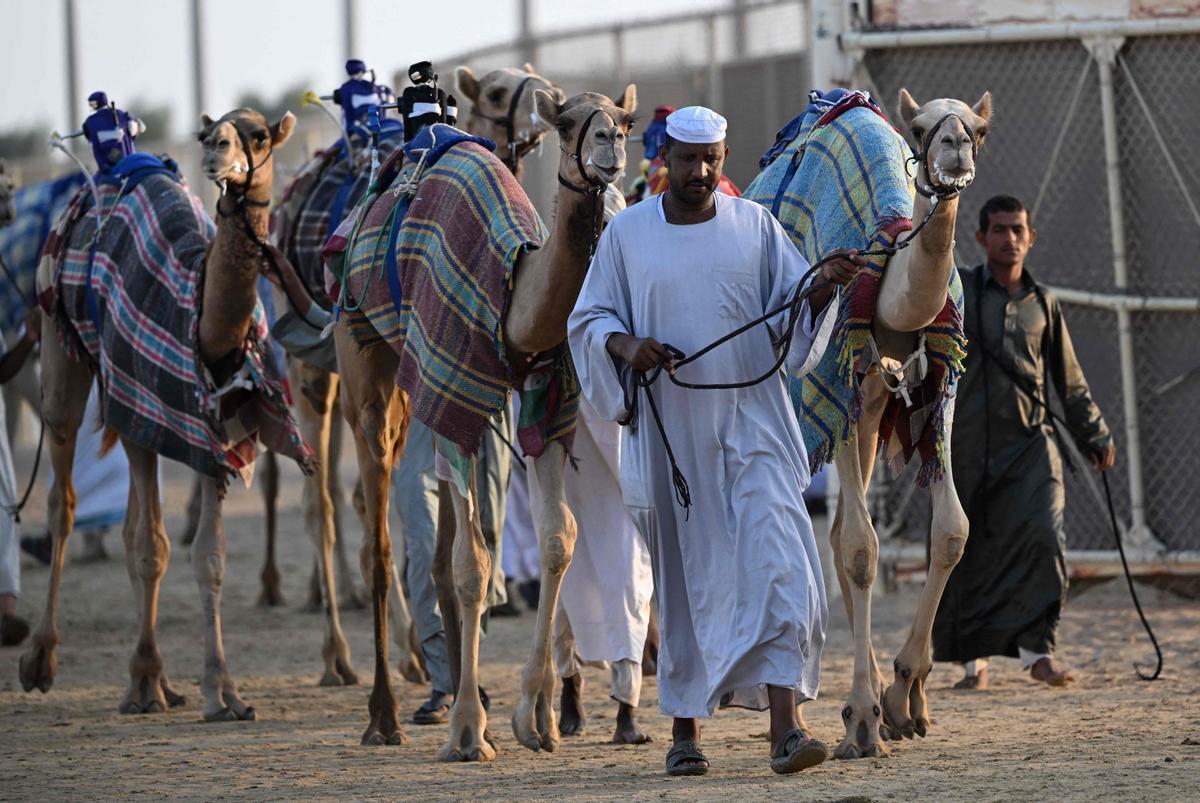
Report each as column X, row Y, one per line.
column 230, row 276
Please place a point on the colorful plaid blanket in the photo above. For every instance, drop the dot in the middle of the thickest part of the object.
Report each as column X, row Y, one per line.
column 317, row 200
column 38, row 206
column 137, row 320
column 432, row 278
column 841, row 182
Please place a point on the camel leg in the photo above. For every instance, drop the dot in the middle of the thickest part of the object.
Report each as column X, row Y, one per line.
column 443, row 580
column 152, row 552
column 221, row 700
column 192, row 520
column 533, row 721
column 352, row 597
column 856, row 552
column 472, row 567
column 904, row 701
column 65, row 388
column 271, row 595
column 400, row 616
column 128, row 534
column 378, row 417
column 314, row 405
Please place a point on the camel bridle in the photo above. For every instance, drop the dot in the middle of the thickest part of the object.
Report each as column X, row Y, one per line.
column 921, row 157
column 593, row 186
column 516, row 150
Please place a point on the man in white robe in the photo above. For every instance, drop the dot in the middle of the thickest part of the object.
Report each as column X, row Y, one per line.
column 737, row 577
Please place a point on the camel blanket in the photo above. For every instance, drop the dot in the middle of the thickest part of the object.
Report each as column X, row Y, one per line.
column 837, row 179
column 433, row 277
column 129, row 301
column 316, row 201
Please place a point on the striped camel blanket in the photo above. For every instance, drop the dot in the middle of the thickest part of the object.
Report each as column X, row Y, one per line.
column 128, row 300
column 837, row 178
column 432, row 277
column 316, row 201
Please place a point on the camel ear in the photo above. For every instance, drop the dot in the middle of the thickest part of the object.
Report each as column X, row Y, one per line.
column 983, row 107
column 281, row 131
column 547, row 107
column 468, row 84
column 529, row 69
column 908, row 107
column 206, row 121
column 628, row 99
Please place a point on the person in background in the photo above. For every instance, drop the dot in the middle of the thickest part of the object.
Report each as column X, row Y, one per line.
column 13, row 629
column 1005, row 596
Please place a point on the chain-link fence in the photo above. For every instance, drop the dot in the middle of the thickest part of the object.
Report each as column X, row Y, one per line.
column 1047, row 146
column 748, row 61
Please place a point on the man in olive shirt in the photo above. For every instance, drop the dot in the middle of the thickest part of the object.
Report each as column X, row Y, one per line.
column 1005, row 597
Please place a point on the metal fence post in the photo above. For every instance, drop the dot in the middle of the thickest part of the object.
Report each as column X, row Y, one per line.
column 1103, row 50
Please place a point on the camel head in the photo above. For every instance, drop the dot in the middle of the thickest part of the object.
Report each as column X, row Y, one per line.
column 601, row 153
column 951, row 157
column 492, row 110
column 8, row 209
column 237, row 141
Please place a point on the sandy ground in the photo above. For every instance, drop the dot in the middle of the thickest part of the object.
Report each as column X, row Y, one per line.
column 1110, row 736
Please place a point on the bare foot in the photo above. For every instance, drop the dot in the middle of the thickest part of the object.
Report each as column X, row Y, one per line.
column 627, row 731
column 1046, row 671
column 572, row 721
column 976, row 682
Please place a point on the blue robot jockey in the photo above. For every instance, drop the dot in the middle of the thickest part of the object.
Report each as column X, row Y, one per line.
column 110, row 131
column 358, row 94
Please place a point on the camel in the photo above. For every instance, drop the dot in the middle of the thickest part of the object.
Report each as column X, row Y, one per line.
column 546, row 284
column 237, row 156
column 492, row 114
column 912, row 294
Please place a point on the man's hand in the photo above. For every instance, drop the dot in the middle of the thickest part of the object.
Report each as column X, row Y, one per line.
column 33, row 324
column 641, row 353
column 844, row 267
column 1103, row 461
column 840, row 270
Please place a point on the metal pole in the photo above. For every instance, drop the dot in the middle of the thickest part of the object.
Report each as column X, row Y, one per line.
column 525, row 43
column 714, row 77
column 70, row 45
column 739, row 29
column 198, row 100
column 1104, row 51
column 350, row 28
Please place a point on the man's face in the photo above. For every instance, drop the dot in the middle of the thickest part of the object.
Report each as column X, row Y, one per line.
column 1007, row 239
column 693, row 171
column 93, row 104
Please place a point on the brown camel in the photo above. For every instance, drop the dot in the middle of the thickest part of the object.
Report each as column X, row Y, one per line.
column 913, row 292
column 228, row 298
column 546, row 284
column 317, row 400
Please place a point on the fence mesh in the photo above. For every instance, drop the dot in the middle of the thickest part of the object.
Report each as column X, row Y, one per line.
column 1046, row 147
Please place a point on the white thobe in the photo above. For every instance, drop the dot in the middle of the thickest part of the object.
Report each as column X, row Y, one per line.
column 738, row 580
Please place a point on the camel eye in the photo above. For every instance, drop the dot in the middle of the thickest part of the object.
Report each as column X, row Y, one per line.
column 496, row 95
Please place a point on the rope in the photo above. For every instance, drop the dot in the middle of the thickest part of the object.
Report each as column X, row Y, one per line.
column 1137, row 93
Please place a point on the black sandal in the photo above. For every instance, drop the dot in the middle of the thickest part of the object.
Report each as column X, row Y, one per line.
column 433, row 711
column 684, row 759
column 804, row 752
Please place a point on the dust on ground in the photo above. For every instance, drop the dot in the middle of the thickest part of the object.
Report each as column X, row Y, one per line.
column 1109, row 736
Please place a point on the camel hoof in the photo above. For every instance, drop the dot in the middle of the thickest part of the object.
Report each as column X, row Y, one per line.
column 523, row 727
column 37, row 668
column 221, row 715
column 850, row 750
column 921, row 726
column 330, row 678
column 377, row 738
column 478, row 750
column 270, row 598
column 249, row 715
column 411, row 671
column 174, row 699
column 846, row 751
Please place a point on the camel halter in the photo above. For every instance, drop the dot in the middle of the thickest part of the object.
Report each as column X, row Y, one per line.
column 931, row 188
column 594, row 186
column 516, row 150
